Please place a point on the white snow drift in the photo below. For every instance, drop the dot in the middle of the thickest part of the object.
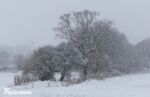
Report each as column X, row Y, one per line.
column 128, row 86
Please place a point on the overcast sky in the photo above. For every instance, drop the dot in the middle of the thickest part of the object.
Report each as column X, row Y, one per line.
column 31, row 21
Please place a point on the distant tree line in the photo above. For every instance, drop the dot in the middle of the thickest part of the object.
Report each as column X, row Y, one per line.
column 94, row 48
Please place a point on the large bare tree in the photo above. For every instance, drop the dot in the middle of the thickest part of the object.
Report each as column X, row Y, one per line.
column 76, row 27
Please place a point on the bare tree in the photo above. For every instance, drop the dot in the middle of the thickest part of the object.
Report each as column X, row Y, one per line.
column 76, row 28
column 42, row 63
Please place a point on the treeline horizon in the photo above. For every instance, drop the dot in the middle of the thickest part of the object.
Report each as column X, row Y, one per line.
column 95, row 48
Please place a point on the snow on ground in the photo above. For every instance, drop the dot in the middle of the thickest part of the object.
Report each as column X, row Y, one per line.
column 127, row 86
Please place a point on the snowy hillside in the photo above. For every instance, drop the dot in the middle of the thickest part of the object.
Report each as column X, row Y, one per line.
column 127, row 86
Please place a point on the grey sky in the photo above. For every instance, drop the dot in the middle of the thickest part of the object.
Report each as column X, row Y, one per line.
column 31, row 21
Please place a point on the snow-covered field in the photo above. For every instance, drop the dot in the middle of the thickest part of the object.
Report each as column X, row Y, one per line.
column 128, row 86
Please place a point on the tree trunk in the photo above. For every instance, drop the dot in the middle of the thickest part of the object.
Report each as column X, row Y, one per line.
column 62, row 77
column 84, row 73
